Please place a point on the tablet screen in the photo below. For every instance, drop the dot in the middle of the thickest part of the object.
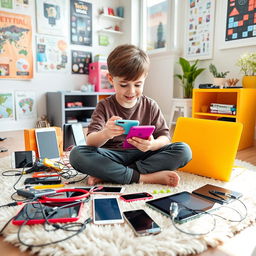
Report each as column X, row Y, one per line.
column 47, row 144
column 189, row 205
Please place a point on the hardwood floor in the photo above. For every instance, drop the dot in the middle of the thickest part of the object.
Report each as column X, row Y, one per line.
column 241, row 244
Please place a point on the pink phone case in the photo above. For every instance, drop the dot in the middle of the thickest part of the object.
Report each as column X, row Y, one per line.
column 141, row 131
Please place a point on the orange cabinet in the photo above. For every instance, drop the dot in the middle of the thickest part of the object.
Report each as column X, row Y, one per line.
column 245, row 101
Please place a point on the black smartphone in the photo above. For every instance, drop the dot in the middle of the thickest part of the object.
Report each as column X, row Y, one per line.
column 136, row 196
column 43, row 180
column 141, row 223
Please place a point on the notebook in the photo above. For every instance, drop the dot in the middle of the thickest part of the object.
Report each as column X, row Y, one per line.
column 214, row 145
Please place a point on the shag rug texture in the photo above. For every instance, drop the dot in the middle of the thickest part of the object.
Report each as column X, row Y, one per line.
column 119, row 239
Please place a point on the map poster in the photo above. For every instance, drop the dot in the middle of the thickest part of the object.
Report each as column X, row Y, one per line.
column 25, row 105
column 16, row 59
column 80, row 62
column 80, row 22
column 6, row 106
column 51, row 17
column 51, row 54
column 6, row 4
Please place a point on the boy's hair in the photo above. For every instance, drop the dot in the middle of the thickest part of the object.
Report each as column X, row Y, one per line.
column 128, row 61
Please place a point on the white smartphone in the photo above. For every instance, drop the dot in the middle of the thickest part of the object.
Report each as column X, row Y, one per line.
column 21, row 159
column 141, row 223
column 47, row 143
column 107, row 190
column 106, row 210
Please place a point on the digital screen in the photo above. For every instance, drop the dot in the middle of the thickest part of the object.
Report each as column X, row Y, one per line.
column 135, row 196
column 34, row 211
column 189, row 204
column 106, row 209
column 47, row 144
column 78, row 134
column 23, row 159
column 140, row 221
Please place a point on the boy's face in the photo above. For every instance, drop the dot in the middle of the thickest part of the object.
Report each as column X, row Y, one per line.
column 127, row 92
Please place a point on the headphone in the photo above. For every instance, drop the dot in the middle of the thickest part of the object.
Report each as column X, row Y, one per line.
column 85, row 194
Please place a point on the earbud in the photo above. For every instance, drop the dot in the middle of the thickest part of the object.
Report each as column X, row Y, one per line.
column 174, row 210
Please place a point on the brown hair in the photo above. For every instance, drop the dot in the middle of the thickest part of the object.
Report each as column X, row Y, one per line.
column 128, row 61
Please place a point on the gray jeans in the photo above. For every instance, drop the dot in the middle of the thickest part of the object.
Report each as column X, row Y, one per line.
column 118, row 166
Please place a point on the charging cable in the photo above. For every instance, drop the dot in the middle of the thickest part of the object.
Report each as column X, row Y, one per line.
column 174, row 211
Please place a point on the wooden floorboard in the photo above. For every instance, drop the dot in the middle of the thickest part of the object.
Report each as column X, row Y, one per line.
column 241, row 244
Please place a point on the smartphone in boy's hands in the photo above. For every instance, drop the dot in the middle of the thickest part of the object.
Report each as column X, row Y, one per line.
column 127, row 124
column 142, row 131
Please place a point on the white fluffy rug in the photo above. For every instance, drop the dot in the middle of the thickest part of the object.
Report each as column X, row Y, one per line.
column 119, row 239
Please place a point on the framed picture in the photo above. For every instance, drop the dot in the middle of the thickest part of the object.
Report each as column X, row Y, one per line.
column 7, row 109
column 156, row 23
column 239, row 24
column 199, row 29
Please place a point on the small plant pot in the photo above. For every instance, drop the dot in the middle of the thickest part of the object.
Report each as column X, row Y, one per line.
column 219, row 81
column 249, row 82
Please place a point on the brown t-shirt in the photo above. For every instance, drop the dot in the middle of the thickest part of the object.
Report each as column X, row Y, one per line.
column 146, row 111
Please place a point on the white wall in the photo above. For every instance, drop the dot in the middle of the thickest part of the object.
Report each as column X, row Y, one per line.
column 44, row 82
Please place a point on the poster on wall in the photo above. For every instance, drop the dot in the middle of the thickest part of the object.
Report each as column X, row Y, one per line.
column 6, row 106
column 80, row 62
column 81, row 22
column 199, row 29
column 51, row 54
column 16, row 59
column 239, row 23
column 6, row 4
column 22, row 4
column 51, row 17
column 25, row 105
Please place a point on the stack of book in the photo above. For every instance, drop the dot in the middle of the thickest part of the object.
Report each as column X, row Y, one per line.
column 223, row 108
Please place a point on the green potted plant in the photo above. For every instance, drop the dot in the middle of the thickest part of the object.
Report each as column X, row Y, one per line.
column 219, row 78
column 247, row 64
column 190, row 73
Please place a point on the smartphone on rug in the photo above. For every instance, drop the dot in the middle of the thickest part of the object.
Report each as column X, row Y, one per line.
column 141, row 223
column 106, row 210
column 107, row 190
column 33, row 213
column 142, row 131
column 136, row 196
column 21, row 159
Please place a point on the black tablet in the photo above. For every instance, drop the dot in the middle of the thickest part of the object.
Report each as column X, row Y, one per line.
column 190, row 205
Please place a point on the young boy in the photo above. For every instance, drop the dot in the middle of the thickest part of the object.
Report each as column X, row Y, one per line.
column 103, row 158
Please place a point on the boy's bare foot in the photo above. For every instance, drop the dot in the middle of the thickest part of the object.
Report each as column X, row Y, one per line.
column 93, row 180
column 169, row 178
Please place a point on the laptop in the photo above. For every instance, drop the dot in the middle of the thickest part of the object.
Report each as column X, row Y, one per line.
column 213, row 143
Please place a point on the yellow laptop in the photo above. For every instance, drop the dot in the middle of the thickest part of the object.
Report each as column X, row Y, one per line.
column 214, row 145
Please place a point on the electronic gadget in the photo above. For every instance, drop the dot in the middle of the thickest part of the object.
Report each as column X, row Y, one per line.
column 107, row 190
column 78, row 134
column 61, row 212
column 106, row 210
column 52, row 164
column 45, row 174
column 68, row 139
column 2, row 149
column 21, row 159
column 35, row 193
column 217, row 194
column 136, row 196
column 142, row 131
column 127, row 124
column 43, row 180
column 190, row 205
column 47, row 144
column 141, row 223
column 214, row 145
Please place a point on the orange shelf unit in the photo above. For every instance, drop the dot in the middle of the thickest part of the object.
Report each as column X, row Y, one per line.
column 245, row 101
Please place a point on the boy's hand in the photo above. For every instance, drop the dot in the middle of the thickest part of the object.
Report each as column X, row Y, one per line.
column 142, row 144
column 112, row 130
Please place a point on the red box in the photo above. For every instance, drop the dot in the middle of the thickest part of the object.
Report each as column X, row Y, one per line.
column 98, row 77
